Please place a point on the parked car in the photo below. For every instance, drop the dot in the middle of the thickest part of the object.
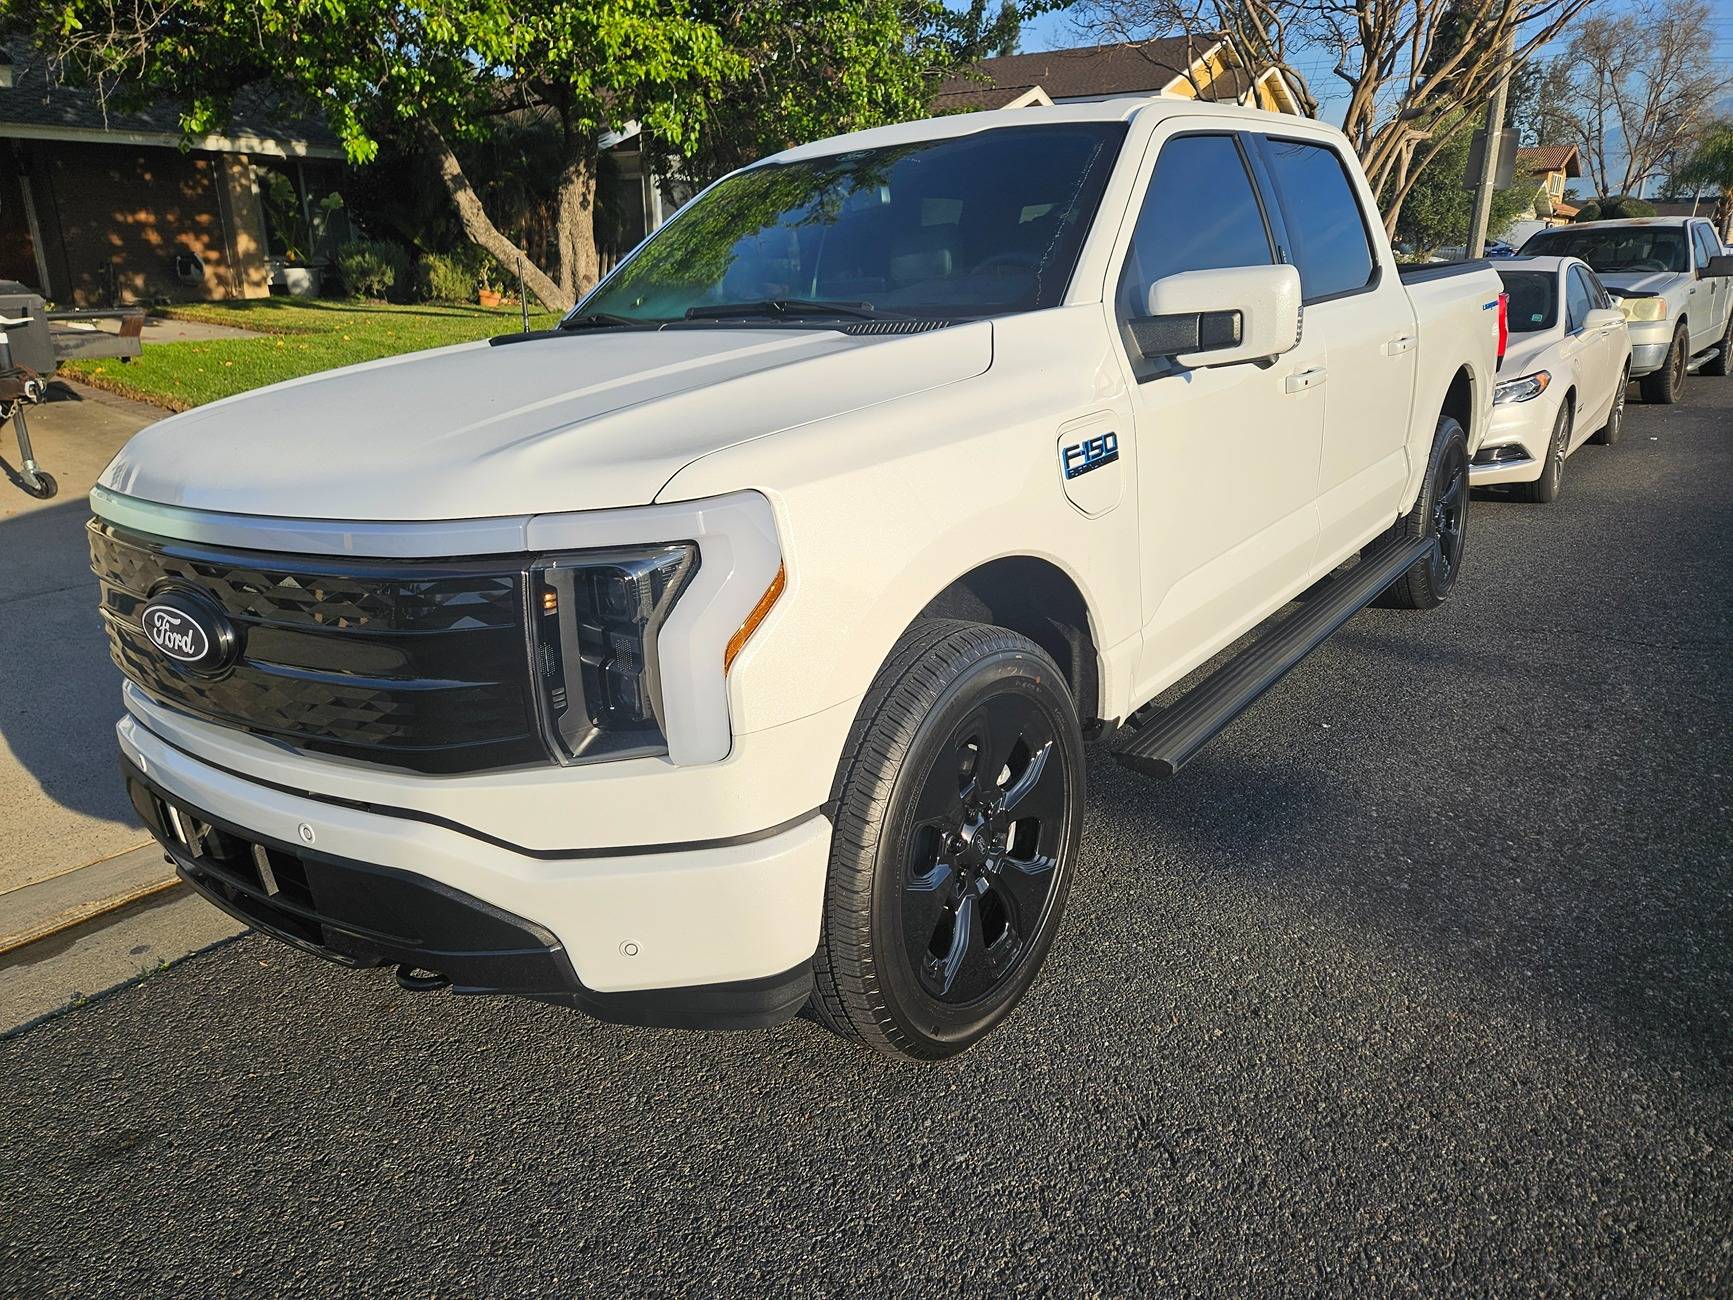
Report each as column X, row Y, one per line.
column 1563, row 378
column 732, row 646
column 1674, row 285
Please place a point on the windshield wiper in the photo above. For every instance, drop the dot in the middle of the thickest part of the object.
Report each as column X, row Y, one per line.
column 789, row 309
column 592, row 319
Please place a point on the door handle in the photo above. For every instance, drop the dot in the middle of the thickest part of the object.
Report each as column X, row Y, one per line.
column 1301, row 380
column 1398, row 345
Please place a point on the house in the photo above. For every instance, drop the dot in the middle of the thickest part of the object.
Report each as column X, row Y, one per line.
column 1549, row 166
column 1191, row 67
column 101, row 205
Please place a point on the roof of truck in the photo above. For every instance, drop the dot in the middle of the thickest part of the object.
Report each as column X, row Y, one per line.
column 1109, row 110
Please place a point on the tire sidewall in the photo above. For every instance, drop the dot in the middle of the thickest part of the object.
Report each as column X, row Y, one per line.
column 933, row 1028
column 1448, row 443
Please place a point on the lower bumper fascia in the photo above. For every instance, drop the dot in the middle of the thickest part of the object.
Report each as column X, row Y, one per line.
column 362, row 915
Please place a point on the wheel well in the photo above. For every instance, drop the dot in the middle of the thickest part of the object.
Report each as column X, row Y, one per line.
column 1039, row 600
column 1459, row 401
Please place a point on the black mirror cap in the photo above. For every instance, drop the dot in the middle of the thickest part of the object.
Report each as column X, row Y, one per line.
column 1720, row 264
column 1157, row 337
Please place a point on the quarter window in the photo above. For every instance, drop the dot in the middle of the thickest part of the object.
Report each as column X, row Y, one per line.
column 1200, row 214
column 1323, row 217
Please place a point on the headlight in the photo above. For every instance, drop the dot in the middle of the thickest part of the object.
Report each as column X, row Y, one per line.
column 1644, row 308
column 1525, row 389
column 595, row 617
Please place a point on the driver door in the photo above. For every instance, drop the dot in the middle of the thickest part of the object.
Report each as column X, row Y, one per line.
column 1228, row 455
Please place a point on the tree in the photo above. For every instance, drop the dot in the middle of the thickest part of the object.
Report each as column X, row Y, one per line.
column 805, row 69
column 1410, row 67
column 438, row 72
column 1711, row 167
column 1438, row 206
column 1539, row 94
column 1642, row 82
column 709, row 83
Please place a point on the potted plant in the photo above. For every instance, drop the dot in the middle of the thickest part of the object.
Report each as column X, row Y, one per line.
column 487, row 295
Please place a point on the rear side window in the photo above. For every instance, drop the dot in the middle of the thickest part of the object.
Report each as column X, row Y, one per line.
column 1323, row 217
column 1200, row 214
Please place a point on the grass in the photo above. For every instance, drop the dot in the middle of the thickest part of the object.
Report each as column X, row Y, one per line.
column 294, row 337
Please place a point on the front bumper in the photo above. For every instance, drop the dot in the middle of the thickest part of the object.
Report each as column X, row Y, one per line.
column 1649, row 343
column 1514, row 448
column 712, row 935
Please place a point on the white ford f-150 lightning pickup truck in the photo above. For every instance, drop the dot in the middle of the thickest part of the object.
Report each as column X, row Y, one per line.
column 732, row 647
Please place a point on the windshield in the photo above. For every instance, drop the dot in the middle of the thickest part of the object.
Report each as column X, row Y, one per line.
column 1617, row 250
column 1533, row 300
column 981, row 224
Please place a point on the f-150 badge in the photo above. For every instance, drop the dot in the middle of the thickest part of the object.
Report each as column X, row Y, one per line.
column 1092, row 453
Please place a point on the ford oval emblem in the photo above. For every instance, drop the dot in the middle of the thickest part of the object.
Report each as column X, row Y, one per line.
column 189, row 629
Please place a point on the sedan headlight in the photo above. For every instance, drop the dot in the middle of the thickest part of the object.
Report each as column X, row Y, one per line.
column 1644, row 308
column 1525, row 389
column 595, row 618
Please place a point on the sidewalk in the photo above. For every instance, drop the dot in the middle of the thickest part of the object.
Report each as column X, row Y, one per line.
column 71, row 847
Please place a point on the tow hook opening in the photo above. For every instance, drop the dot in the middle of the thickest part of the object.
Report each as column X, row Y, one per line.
column 416, row 980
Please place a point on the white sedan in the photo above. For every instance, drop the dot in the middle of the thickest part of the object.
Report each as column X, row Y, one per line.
column 1562, row 380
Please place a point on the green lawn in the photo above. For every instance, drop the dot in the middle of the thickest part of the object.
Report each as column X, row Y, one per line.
column 297, row 337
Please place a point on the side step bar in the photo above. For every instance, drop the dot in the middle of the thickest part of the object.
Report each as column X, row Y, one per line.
column 1169, row 737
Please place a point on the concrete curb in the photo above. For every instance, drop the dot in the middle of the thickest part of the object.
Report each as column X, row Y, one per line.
column 41, row 910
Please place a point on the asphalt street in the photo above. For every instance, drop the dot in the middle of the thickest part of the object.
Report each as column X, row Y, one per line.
column 1419, row 981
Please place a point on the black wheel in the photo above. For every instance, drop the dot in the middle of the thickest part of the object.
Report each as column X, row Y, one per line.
column 44, row 487
column 959, row 805
column 1610, row 432
column 1552, row 471
column 1666, row 384
column 1442, row 512
column 1717, row 365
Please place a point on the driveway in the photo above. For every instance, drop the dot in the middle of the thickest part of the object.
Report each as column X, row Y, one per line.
column 59, row 695
column 1419, row 981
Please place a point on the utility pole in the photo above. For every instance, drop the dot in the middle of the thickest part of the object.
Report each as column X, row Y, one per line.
column 1489, row 154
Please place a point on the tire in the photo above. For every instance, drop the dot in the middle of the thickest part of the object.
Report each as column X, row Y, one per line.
column 1718, row 366
column 941, row 904
column 1442, row 511
column 1665, row 386
column 46, row 485
column 1610, row 432
column 1552, row 472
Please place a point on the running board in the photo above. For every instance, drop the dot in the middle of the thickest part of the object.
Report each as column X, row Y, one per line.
column 1170, row 737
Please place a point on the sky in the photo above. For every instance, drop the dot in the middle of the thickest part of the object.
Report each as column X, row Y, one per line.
column 1058, row 30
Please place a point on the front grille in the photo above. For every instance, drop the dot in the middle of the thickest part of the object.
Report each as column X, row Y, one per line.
column 417, row 663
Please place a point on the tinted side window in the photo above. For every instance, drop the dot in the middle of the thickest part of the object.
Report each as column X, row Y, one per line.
column 1578, row 300
column 1201, row 213
column 1323, row 217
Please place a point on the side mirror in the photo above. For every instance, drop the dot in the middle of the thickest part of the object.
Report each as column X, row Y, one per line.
column 1221, row 317
column 1601, row 317
column 1720, row 264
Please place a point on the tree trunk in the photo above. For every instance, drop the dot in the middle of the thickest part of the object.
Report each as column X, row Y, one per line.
column 479, row 227
column 580, row 263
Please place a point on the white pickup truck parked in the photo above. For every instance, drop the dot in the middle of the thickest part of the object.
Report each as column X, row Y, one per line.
column 732, row 646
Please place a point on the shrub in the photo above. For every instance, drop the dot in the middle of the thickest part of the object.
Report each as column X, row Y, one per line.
column 1617, row 207
column 449, row 277
column 372, row 268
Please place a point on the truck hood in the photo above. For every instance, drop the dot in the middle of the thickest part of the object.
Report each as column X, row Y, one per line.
column 1645, row 281
column 583, row 421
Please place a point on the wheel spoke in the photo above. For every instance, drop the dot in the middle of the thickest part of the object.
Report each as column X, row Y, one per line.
column 963, row 931
column 1032, row 786
column 1024, row 883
